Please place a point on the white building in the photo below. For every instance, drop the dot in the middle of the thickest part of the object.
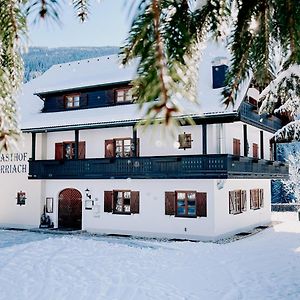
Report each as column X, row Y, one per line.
column 94, row 170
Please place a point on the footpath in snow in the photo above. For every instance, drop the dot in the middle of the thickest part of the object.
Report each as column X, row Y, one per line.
column 41, row 266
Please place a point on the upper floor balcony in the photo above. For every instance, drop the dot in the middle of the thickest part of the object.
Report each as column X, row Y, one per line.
column 212, row 166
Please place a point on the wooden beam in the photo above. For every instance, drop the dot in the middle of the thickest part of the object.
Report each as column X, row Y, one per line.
column 246, row 146
column 33, row 145
column 261, row 144
column 76, row 144
column 204, row 139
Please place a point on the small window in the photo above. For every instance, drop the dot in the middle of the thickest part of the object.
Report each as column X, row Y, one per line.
column 185, row 141
column 21, row 198
column 186, row 204
column 66, row 150
column 123, row 95
column 122, row 201
column 237, row 201
column 72, row 101
column 256, row 198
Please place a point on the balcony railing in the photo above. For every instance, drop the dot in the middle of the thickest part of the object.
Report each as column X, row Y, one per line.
column 249, row 113
column 162, row 167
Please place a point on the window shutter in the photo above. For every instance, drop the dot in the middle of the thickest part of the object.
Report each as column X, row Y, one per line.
column 81, row 150
column 83, row 100
column 244, row 200
column 170, row 203
column 59, row 150
column 251, row 199
column 255, row 150
column 135, row 202
column 109, row 148
column 108, row 201
column 231, row 204
column 60, row 102
column 236, row 147
column 261, row 198
column 201, row 204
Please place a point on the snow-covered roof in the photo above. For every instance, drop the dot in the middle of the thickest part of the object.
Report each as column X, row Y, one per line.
column 107, row 70
column 85, row 73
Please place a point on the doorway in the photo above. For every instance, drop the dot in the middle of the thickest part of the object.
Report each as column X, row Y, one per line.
column 69, row 209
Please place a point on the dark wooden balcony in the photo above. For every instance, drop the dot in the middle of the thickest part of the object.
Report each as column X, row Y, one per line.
column 249, row 114
column 212, row 166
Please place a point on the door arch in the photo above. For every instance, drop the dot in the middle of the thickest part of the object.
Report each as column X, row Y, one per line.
column 70, row 209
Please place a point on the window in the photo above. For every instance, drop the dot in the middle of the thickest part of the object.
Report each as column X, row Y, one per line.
column 237, row 201
column 122, row 202
column 256, row 198
column 123, row 95
column 255, row 150
column 21, row 198
column 72, row 101
column 186, row 204
column 66, row 150
column 236, row 147
column 185, row 141
column 121, row 147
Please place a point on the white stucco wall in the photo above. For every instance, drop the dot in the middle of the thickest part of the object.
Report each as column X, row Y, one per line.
column 151, row 221
column 11, row 214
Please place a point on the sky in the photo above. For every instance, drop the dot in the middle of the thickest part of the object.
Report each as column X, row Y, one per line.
column 107, row 25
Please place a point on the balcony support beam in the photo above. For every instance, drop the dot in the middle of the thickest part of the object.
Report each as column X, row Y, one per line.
column 245, row 135
column 33, row 145
column 204, row 139
column 76, row 144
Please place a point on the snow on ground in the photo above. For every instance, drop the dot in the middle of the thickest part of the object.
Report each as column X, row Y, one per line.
column 47, row 266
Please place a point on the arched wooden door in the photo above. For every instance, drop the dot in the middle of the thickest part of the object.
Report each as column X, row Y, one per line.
column 70, row 209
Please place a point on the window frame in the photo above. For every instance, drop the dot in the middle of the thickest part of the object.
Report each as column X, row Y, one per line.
column 237, row 202
column 72, row 147
column 73, row 101
column 115, row 195
column 185, row 215
column 256, row 199
column 125, row 91
column 123, row 148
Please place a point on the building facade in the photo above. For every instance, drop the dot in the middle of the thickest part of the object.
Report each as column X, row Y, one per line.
column 92, row 167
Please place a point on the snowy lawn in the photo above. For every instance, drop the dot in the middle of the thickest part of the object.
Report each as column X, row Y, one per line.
column 40, row 266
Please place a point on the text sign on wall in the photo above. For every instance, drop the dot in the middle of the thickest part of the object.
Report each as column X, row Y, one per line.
column 11, row 163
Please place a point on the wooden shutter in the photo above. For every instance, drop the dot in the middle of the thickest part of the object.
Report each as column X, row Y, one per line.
column 83, row 100
column 231, row 202
column 59, row 151
column 169, row 203
column 135, row 202
column 236, row 147
column 255, row 150
column 244, row 200
column 60, row 102
column 201, row 204
column 81, row 150
column 109, row 148
column 251, row 199
column 261, row 198
column 108, row 201
column 138, row 147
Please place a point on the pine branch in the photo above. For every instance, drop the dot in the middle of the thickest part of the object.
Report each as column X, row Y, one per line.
column 82, row 9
